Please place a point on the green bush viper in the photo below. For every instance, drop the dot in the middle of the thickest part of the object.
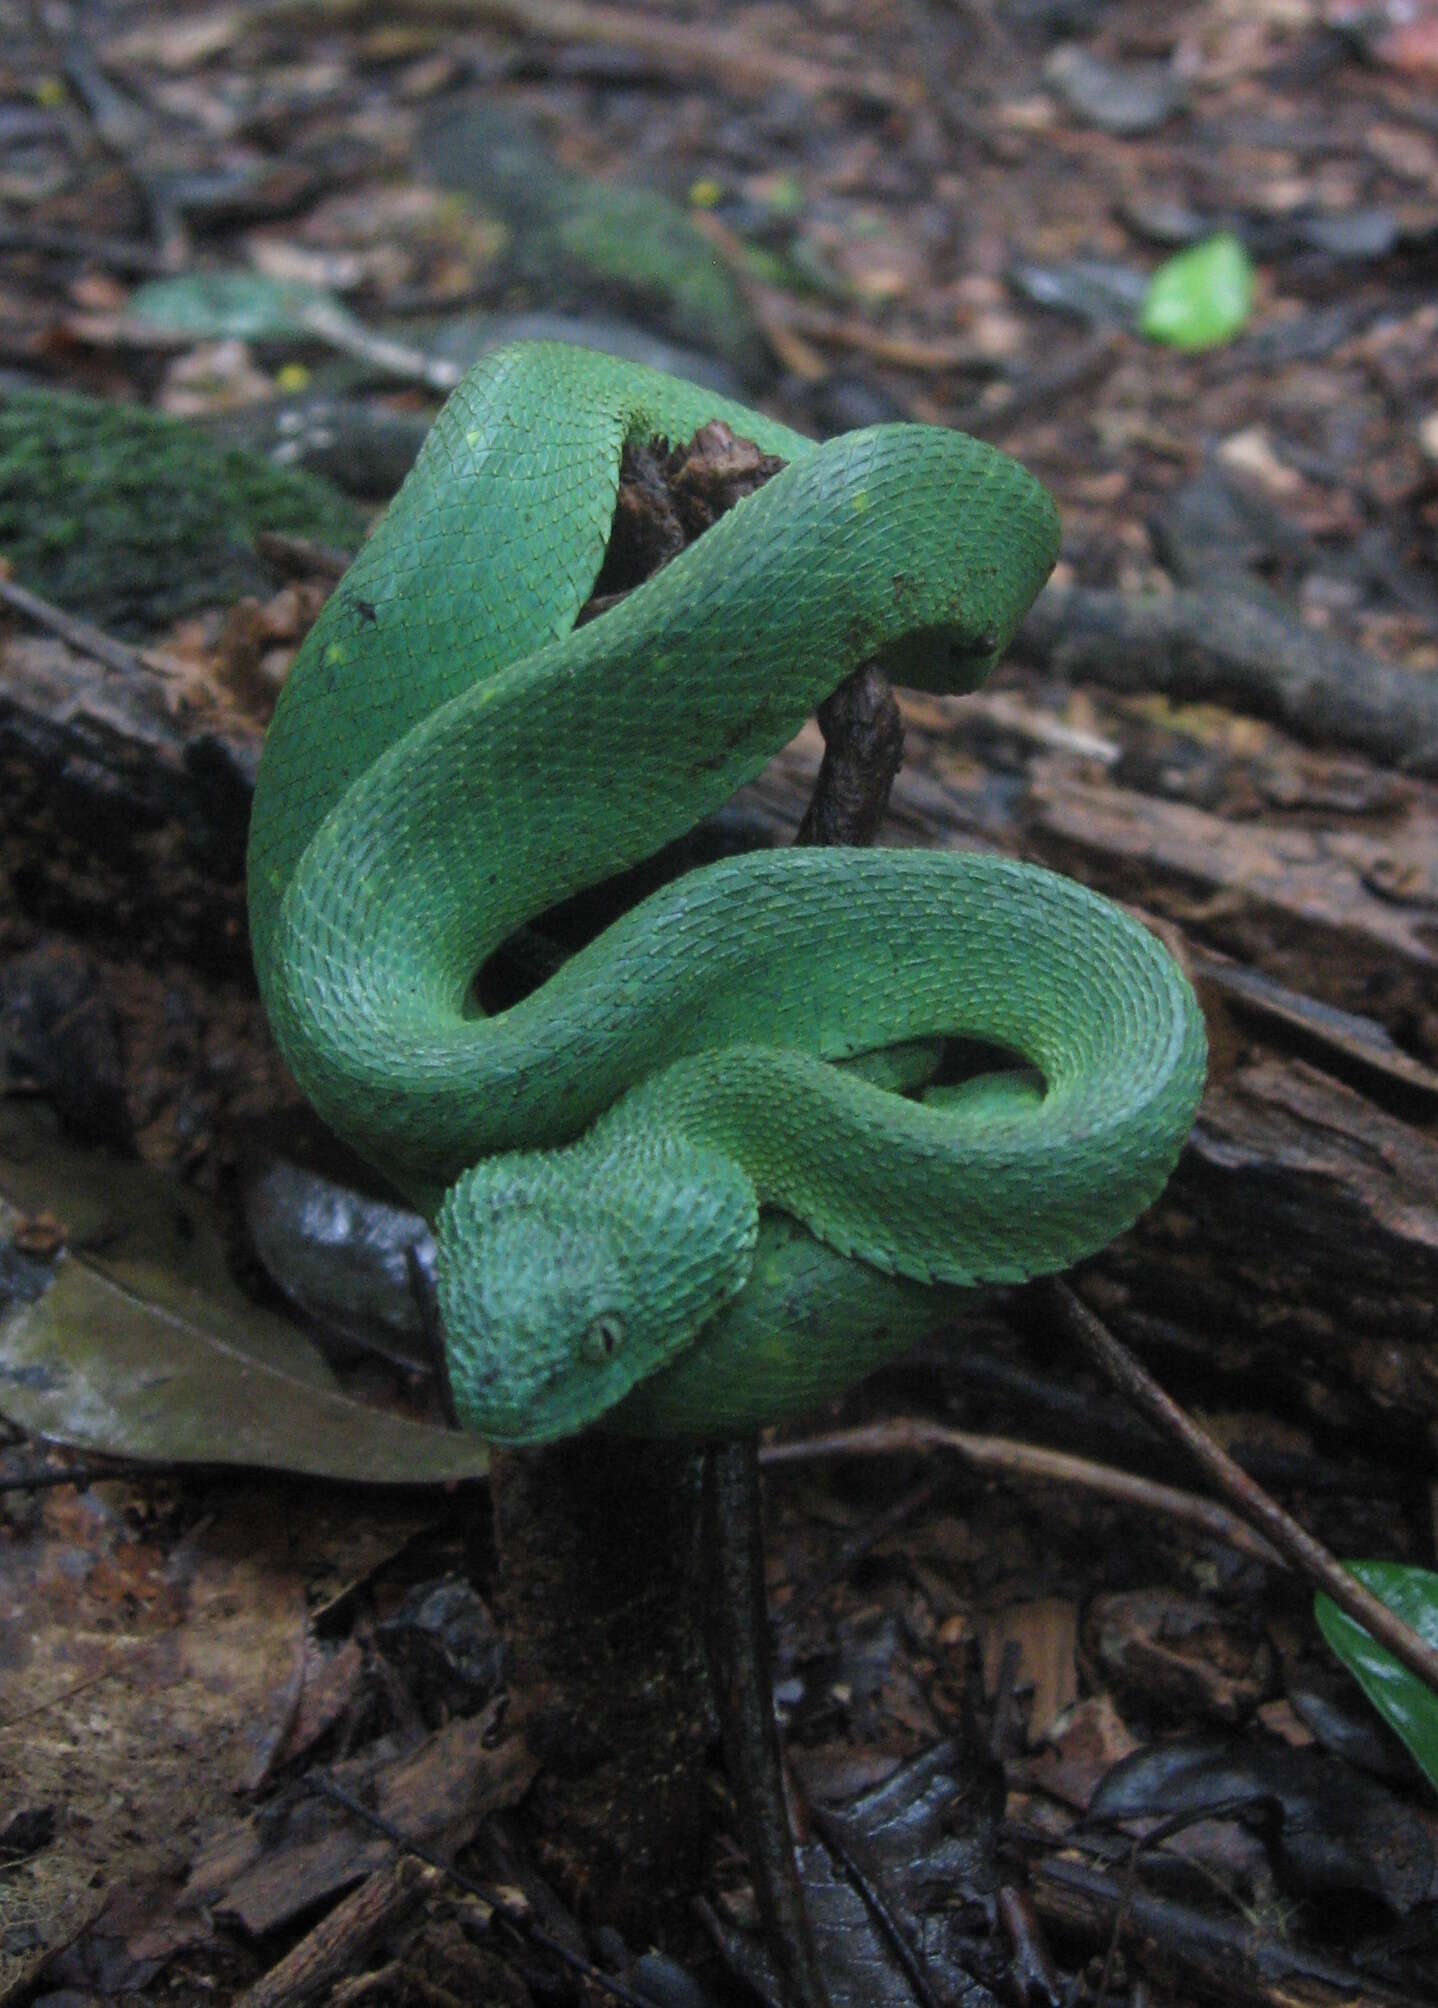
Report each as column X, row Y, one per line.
column 657, row 1144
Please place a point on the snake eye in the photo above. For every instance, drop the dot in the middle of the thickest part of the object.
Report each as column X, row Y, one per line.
column 603, row 1338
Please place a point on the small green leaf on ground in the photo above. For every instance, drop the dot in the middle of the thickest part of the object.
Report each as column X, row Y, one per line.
column 1202, row 298
column 243, row 306
column 1406, row 1704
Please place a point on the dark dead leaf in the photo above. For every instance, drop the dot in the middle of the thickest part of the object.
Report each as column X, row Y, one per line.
column 1329, row 1828
column 922, row 1843
column 344, row 1256
column 137, row 1342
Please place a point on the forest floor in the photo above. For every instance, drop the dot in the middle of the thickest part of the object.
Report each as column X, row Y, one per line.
column 1224, row 712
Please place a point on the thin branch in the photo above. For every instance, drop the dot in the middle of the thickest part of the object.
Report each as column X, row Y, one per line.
column 118, row 254
column 82, row 636
column 336, row 326
column 1006, row 1458
column 766, row 303
column 737, row 1634
column 1240, row 647
column 732, row 58
column 864, row 741
column 869, row 1885
column 1297, row 1546
column 1194, row 1953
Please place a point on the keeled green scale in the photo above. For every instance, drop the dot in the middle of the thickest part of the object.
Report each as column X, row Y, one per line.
column 649, row 1176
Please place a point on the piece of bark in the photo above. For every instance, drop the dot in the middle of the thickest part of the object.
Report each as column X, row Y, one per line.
column 345, row 1934
column 271, row 1868
column 599, row 1593
column 117, row 820
column 1297, row 1244
column 1241, row 648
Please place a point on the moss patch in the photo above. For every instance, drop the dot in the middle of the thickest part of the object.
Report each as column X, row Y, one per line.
column 133, row 519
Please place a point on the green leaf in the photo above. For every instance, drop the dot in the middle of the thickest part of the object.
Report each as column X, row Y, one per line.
column 136, row 1341
column 1407, row 1704
column 239, row 306
column 1201, row 298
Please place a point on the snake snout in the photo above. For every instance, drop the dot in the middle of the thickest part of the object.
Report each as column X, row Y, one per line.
column 532, row 1301
column 564, row 1279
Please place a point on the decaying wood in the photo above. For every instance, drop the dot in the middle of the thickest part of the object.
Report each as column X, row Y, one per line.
column 1243, row 647
column 121, row 819
column 599, row 1573
column 345, row 1934
column 1300, row 1236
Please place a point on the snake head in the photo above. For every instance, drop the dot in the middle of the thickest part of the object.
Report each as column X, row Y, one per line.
column 566, row 1277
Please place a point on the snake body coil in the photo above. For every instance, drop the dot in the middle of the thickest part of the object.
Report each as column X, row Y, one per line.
column 658, row 1144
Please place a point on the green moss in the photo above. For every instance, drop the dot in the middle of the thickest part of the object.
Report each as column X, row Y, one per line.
column 603, row 245
column 133, row 519
column 644, row 247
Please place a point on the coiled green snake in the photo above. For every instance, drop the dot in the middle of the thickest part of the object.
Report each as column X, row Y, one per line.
column 658, row 1198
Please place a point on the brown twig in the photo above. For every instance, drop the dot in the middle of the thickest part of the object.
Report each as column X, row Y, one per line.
column 122, row 128
column 302, row 557
column 117, row 254
column 736, row 1627
column 733, row 58
column 864, row 740
column 1294, row 1543
column 870, row 1885
column 925, row 355
column 333, row 324
column 863, row 751
column 1007, row 1458
column 766, row 303
column 81, row 635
